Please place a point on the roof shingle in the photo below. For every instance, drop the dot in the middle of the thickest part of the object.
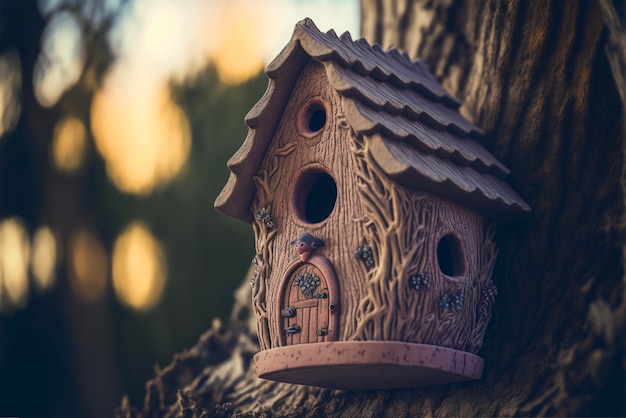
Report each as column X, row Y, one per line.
column 413, row 126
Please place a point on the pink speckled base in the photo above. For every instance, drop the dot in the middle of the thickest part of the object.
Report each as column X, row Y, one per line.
column 367, row 365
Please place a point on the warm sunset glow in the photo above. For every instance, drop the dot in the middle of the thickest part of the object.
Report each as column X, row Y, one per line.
column 138, row 267
column 88, row 266
column 142, row 134
column 162, row 28
column 14, row 255
column 167, row 40
column 43, row 260
column 238, row 54
column 68, row 144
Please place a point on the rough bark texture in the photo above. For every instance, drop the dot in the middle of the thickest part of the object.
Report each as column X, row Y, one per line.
column 535, row 76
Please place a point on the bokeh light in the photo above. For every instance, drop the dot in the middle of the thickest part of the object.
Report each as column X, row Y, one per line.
column 240, row 43
column 139, row 267
column 10, row 87
column 105, row 142
column 69, row 144
column 142, row 134
column 176, row 40
column 162, row 29
column 88, row 266
column 14, row 256
column 60, row 62
column 43, row 259
column 162, row 38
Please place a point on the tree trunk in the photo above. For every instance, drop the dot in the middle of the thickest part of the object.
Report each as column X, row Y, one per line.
column 536, row 78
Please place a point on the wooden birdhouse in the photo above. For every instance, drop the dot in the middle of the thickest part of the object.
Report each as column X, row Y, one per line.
column 373, row 206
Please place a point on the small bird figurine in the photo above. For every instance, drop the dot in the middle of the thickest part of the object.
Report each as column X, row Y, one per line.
column 306, row 245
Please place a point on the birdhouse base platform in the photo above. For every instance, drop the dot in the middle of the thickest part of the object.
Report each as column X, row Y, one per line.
column 367, row 365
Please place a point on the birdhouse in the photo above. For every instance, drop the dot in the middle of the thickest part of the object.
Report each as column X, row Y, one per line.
column 373, row 206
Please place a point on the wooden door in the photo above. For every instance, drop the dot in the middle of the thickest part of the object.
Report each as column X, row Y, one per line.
column 308, row 311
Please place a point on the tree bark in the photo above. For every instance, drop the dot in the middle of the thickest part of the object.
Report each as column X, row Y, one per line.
column 537, row 78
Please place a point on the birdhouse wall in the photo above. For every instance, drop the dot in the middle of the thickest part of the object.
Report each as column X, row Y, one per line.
column 297, row 156
column 430, row 281
column 410, row 266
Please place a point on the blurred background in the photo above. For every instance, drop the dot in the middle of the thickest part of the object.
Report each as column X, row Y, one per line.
column 116, row 121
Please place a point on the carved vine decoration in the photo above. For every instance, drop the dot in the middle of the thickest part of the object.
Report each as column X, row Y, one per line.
column 404, row 301
column 394, row 228
column 265, row 231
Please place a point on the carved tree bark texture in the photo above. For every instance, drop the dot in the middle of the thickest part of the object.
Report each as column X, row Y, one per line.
column 402, row 229
column 535, row 76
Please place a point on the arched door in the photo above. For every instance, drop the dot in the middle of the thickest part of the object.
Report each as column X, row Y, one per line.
column 309, row 308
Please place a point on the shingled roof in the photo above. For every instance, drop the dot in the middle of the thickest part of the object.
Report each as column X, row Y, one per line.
column 415, row 131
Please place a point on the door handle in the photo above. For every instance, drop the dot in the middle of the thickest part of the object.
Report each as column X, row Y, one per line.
column 288, row 312
column 292, row 329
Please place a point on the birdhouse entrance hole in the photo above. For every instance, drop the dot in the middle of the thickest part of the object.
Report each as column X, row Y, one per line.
column 317, row 120
column 312, row 118
column 451, row 256
column 315, row 195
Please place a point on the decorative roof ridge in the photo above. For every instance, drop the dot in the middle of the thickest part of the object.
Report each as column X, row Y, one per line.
column 370, row 59
column 360, row 118
column 395, row 101
column 491, row 196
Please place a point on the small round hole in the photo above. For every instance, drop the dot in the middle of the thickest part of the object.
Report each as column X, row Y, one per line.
column 315, row 196
column 312, row 118
column 317, row 120
column 451, row 256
